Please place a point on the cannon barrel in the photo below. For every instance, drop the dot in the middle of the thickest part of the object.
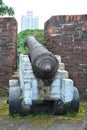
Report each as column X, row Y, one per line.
column 44, row 63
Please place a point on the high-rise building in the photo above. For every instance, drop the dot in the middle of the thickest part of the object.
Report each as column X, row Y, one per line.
column 29, row 21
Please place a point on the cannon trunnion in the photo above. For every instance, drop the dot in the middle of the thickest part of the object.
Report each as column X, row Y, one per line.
column 42, row 78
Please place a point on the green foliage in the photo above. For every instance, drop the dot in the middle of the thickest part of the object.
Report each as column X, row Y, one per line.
column 85, row 90
column 4, row 9
column 70, row 114
column 21, row 98
column 21, row 45
column 17, row 116
column 1, row 2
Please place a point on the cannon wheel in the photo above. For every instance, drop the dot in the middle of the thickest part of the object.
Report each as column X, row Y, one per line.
column 59, row 108
column 14, row 100
column 75, row 103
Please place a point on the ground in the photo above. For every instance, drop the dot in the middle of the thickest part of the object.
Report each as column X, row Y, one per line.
column 42, row 121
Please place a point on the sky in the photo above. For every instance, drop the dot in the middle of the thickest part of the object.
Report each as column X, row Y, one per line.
column 44, row 9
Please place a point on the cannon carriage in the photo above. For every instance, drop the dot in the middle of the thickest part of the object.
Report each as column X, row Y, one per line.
column 42, row 78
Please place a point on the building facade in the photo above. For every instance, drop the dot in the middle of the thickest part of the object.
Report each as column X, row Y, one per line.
column 29, row 21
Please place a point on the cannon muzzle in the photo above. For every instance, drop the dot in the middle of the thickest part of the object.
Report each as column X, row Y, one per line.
column 44, row 63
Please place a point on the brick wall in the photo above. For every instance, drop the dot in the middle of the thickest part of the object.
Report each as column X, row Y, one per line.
column 8, row 39
column 67, row 37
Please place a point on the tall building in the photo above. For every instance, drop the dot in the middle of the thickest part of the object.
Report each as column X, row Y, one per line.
column 29, row 21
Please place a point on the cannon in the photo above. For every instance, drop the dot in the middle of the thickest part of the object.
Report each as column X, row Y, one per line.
column 44, row 63
column 43, row 82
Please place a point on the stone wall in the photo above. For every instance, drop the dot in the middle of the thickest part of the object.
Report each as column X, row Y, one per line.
column 8, row 51
column 67, row 36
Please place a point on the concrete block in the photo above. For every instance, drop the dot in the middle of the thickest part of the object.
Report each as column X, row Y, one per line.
column 67, row 90
column 58, row 58
column 34, row 85
column 62, row 74
column 61, row 66
column 55, row 89
column 13, row 83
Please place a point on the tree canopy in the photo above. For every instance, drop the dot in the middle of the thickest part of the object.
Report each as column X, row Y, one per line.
column 6, row 10
column 21, row 46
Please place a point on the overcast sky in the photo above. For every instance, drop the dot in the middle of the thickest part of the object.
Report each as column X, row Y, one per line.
column 44, row 9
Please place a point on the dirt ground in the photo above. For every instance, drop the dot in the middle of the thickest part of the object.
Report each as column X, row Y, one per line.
column 39, row 122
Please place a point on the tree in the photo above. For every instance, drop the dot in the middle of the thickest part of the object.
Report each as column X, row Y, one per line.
column 4, row 9
column 21, row 46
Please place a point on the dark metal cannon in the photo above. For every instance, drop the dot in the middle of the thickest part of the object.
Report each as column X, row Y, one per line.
column 44, row 63
column 54, row 89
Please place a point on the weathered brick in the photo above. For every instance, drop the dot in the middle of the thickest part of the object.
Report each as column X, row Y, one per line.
column 71, row 45
column 8, row 41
